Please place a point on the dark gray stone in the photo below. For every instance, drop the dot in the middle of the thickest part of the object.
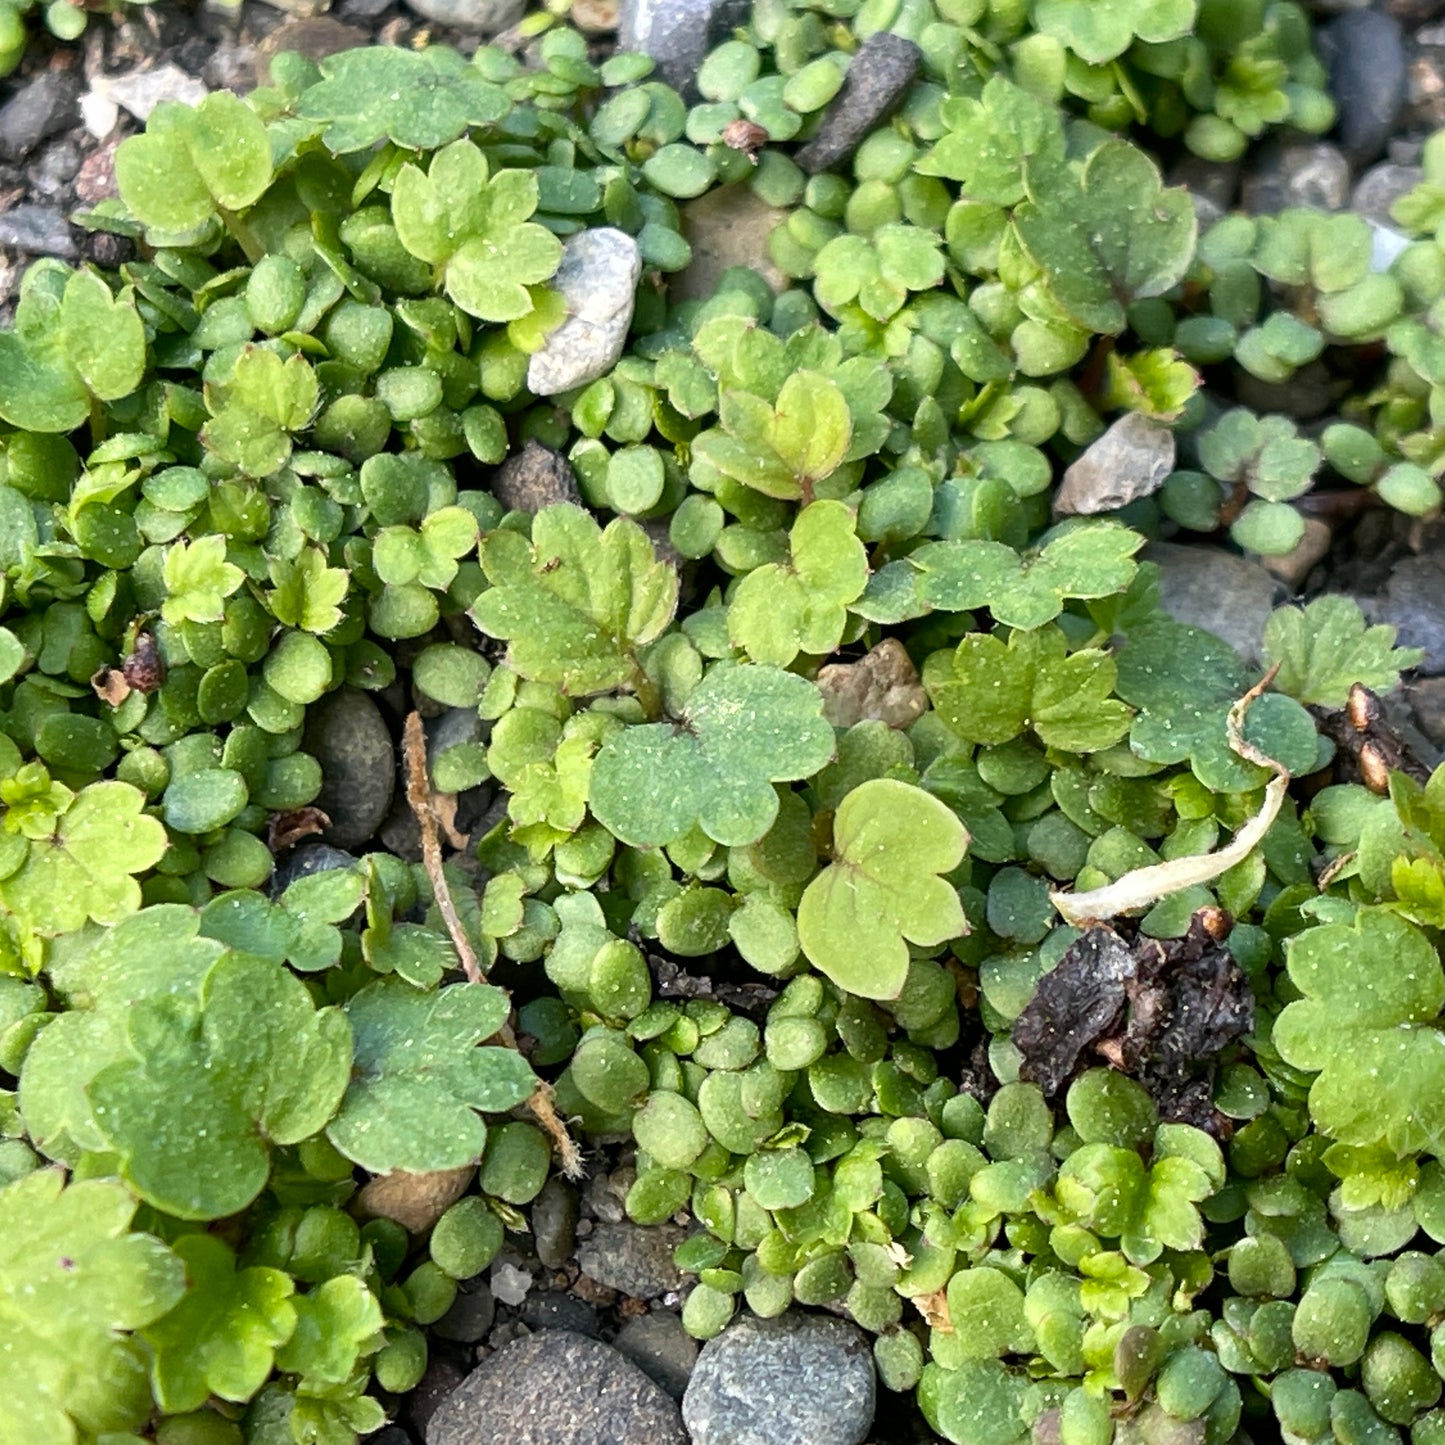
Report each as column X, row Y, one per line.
column 678, row 34
column 633, row 1260
column 554, row 1222
column 54, row 168
column 351, row 741
column 43, row 108
column 534, row 478
column 1427, row 699
column 878, row 76
column 37, row 231
column 1414, row 601
column 392, row 1435
column 555, row 1309
column 1210, row 588
column 1309, row 173
column 439, row 1385
column 471, row 1314
column 302, row 862
column 659, row 1346
column 796, row 1380
column 1365, row 52
column 557, row 1387
column 476, row 17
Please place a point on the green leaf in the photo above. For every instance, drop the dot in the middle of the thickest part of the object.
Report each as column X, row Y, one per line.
column 221, row 1339
column 198, row 580
column 980, row 1403
column 420, row 1078
column 990, row 692
column 782, row 609
column 1100, row 33
column 989, row 141
column 1323, row 649
column 73, row 1280
column 986, row 1309
column 1112, row 236
column 1091, row 561
column 307, row 593
column 578, row 602
column 744, row 728
column 84, row 866
column 255, row 1065
column 335, row 1324
column 882, row 891
column 421, row 100
column 1373, row 991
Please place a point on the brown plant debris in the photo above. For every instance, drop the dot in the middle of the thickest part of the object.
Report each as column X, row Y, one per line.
column 1368, row 748
column 882, row 686
column 1158, row 1010
column 420, row 799
column 287, row 829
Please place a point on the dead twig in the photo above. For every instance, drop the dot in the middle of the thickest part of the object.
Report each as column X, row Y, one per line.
column 423, row 805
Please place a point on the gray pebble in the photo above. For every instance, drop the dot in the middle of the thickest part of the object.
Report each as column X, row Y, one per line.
column 55, row 167
column 678, row 34
column 659, row 1346
column 533, row 478
column 597, row 281
column 1414, row 601
column 727, row 227
column 1427, row 699
column 1365, row 52
column 796, row 1380
column 554, row 1222
column 1130, row 461
column 1309, row 173
column 557, row 1387
column 1380, row 187
column 878, row 77
column 633, row 1260
column 470, row 1316
column 37, row 231
column 555, row 1309
column 42, row 108
column 1215, row 590
column 349, row 738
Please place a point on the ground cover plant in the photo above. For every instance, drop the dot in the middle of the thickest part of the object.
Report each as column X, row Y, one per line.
column 1081, row 1028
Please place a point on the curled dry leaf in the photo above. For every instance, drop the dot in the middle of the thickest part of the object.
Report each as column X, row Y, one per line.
column 110, row 686
column 882, row 686
column 1158, row 1010
column 934, row 1309
column 289, row 828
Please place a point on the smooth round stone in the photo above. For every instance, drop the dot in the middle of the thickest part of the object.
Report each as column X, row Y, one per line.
column 351, row 741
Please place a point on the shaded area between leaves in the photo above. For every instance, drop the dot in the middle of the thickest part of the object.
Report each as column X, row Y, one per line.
column 1159, row 1010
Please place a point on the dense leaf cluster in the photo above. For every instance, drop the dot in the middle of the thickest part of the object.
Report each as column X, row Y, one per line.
column 792, row 672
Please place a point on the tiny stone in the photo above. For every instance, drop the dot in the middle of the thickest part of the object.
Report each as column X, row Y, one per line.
column 1427, row 698
column 303, row 862
column 600, row 1296
column 414, row 1201
column 363, row 10
column 107, row 250
column 557, row 1388
column 41, row 109
column 470, row 1316
column 878, row 77
column 476, row 17
column 510, row 1284
column 1215, row 590
column 302, row 9
column 1218, row 181
column 55, row 168
column 95, row 180
column 1309, row 173
column 882, row 686
column 633, row 1260
column 659, row 1346
column 314, row 37
column 1386, row 247
column 349, row 738
column 796, row 1380
column 1365, row 53
column 37, row 231
column 1131, row 460
column 1295, row 566
column 605, row 1193
column 534, row 478
column 678, row 34
column 597, row 280
column 554, row 1222
column 138, row 92
column 725, row 228
column 595, row 17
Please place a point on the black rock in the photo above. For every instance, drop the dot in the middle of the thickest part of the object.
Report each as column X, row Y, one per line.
column 46, row 106
column 108, row 250
column 659, row 1346
column 554, row 1222
column 470, row 1316
column 303, row 862
column 878, row 77
column 555, row 1309
column 37, row 231
column 554, row 1387
column 678, row 34
column 349, row 738
column 535, row 478
column 1365, row 52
